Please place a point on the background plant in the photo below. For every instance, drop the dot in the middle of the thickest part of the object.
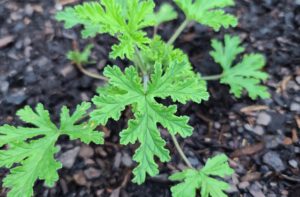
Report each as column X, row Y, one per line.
column 159, row 71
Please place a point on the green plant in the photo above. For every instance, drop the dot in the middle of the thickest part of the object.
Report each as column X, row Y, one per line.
column 196, row 179
column 245, row 75
column 81, row 57
column 33, row 148
column 158, row 71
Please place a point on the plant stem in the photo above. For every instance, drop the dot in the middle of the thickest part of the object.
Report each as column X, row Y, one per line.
column 90, row 74
column 212, row 77
column 145, row 82
column 178, row 31
column 155, row 29
column 180, row 151
column 140, row 61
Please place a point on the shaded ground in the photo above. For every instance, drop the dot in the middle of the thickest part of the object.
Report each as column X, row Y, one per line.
column 262, row 141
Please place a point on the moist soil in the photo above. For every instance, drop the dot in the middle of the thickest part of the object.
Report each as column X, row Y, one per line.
column 261, row 137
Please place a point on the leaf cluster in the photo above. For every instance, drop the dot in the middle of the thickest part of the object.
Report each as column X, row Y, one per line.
column 127, row 90
column 124, row 19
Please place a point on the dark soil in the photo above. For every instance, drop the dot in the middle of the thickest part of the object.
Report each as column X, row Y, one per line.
column 261, row 137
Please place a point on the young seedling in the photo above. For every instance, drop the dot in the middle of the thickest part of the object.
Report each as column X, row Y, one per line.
column 158, row 71
column 80, row 58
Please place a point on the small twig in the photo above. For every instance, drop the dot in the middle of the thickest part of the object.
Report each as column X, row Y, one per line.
column 180, row 151
column 290, row 178
column 90, row 74
column 212, row 77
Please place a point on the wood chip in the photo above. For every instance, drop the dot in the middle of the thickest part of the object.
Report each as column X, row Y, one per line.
column 6, row 41
column 295, row 137
column 283, row 84
column 248, row 150
column 287, row 141
column 298, row 121
column 66, row 2
column 254, row 176
column 254, row 108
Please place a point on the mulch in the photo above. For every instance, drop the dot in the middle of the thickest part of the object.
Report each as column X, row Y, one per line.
column 261, row 137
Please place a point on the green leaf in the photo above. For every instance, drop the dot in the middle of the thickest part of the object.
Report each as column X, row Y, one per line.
column 165, row 13
column 33, row 148
column 123, row 19
column 126, row 89
column 208, row 12
column 160, row 52
column 245, row 75
column 80, row 57
column 192, row 179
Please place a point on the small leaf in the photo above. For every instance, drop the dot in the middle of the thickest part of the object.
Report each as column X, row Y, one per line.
column 246, row 75
column 165, row 13
column 192, row 179
column 80, row 57
column 208, row 12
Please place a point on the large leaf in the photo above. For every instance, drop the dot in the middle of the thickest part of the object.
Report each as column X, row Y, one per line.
column 127, row 89
column 33, row 148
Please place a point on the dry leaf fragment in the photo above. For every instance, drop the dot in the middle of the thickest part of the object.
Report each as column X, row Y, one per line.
column 6, row 41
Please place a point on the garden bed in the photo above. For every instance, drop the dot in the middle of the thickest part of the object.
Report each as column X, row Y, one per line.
column 261, row 137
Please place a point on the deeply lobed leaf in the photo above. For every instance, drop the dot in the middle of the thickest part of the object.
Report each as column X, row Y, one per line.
column 192, row 179
column 124, row 19
column 165, row 13
column 33, row 148
column 127, row 89
column 80, row 57
column 246, row 75
column 208, row 12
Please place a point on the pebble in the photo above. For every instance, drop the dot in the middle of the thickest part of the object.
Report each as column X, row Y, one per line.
column 194, row 161
column 80, row 178
column 86, row 152
column 256, row 191
column 258, row 130
column 298, row 77
column 28, row 10
column 263, row 119
column 244, row 185
column 68, row 158
column 92, row 173
column 295, row 107
column 277, row 122
column 271, row 141
column 233, row 189
column 126, row 160
column 16, row 98
column 293, row 163
column 30, row 78
column 272, row 159
column 117, row 161
column 4, row 85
